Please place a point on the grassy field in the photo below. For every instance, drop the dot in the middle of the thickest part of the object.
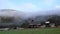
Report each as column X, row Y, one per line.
column 33, row 31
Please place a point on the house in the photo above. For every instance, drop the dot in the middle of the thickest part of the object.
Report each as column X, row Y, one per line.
column 33, row 24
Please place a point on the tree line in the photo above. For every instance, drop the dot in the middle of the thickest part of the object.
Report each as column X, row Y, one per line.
column 25, row 22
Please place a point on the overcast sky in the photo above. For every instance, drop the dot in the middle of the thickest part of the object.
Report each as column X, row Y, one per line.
column 30, row 5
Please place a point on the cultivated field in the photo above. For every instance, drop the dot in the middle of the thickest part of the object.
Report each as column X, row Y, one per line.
column 33, row 31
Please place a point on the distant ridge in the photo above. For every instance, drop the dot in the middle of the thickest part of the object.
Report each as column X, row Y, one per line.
column 10, row 12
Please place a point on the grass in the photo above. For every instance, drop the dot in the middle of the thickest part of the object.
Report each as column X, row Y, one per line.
column 33, row 31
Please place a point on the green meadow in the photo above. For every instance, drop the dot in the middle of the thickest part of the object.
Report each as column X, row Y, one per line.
column 33, row 31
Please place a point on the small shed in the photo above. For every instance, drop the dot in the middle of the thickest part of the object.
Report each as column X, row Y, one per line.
column 47, row 23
